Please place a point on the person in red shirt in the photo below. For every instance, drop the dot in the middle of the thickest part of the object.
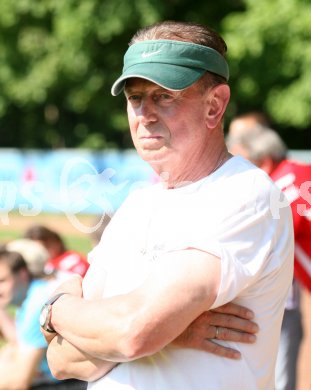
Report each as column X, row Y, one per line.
column 265, row 148
column 61, row 259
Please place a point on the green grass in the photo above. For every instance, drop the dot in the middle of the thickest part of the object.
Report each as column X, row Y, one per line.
column 80, row 244
column 8, row 235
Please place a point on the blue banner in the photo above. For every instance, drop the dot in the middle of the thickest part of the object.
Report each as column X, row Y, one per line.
column 69, row 181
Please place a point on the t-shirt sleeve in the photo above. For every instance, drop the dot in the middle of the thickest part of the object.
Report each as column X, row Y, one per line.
column 251, row 242
column 254, row 246
column 27, row 321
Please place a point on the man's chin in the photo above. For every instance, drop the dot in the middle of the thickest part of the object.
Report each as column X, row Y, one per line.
column 153, row 156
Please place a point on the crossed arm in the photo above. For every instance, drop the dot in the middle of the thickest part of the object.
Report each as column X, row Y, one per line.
column 170, row 307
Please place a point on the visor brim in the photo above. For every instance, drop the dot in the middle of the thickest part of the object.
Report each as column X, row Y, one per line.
column 168, row 76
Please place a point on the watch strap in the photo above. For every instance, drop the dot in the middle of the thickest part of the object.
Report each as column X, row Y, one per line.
column 54, row 298
column 48, row 304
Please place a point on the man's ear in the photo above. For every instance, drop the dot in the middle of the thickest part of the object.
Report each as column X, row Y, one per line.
column 216, row 104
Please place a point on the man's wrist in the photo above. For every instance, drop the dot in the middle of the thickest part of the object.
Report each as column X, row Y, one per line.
column 58, row 310
column 46, row 313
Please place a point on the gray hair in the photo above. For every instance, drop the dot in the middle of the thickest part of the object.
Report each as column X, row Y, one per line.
column 260, row 142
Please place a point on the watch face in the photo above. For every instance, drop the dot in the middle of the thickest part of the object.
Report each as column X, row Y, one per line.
column 43, row 315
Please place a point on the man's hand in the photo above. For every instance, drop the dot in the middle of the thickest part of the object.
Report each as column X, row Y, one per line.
column 65, row 360
column 230, row 322
column 72, row 286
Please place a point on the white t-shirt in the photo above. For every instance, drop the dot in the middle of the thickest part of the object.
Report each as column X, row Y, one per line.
column 233, row 214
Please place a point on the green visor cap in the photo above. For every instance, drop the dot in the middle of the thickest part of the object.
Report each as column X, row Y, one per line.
column 173, row 65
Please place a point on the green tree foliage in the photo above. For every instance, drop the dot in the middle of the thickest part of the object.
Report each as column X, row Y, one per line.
column 270, row 60
column 59, row 58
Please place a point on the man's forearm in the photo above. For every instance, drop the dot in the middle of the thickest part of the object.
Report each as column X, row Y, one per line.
column 66, row 361
column 150, row 313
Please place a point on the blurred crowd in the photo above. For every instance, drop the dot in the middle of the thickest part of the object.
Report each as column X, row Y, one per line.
column 31, row 268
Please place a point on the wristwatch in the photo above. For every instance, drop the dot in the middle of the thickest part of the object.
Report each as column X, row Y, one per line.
column 46, row 313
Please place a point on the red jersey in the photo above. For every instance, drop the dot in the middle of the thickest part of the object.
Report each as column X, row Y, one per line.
column 294, row 179
column 69, row 261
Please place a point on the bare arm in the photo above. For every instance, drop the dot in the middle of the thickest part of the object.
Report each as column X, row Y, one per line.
column 65, row 360
column 151, row 315
column 234, row 320
column 68, row 361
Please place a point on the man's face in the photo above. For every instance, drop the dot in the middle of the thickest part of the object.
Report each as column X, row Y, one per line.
column 11, row 286
column 7, row 285
column 166, row 124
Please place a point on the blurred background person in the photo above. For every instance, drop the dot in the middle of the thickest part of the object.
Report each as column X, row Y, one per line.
column 25, row 286
column 265, row 148
column 243, row 122
column 22, row 358
column 61, row 259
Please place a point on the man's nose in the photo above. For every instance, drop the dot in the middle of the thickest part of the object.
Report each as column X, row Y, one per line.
column 147, row 112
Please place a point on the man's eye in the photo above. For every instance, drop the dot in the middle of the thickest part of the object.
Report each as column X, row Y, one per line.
column 134, row 98
column 164, row 97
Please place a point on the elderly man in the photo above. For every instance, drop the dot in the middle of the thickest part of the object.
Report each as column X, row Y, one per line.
column 202, row 237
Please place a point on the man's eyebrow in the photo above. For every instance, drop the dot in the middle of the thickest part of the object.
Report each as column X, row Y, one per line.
column 129, row 90
column 131, row 87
